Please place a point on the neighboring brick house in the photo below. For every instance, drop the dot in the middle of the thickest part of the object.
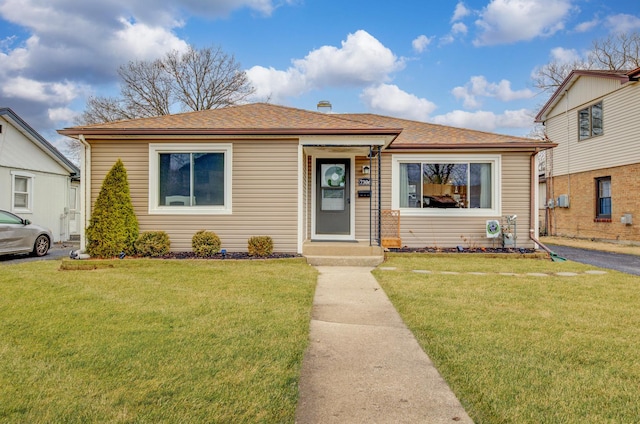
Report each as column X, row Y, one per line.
column 593, row 175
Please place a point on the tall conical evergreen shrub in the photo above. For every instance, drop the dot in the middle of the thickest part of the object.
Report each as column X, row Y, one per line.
column 113, row 227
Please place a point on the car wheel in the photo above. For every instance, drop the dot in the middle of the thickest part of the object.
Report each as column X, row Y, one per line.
column 41, row 246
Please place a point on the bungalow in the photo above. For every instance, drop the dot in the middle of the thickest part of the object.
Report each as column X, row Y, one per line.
column 305, row 177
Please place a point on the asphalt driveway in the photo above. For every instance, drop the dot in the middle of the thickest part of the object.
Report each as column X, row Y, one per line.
column 616, row 261
column 57, row 251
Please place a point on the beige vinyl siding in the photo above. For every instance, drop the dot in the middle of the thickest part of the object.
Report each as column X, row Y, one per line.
column 445, row 232
column 583, row 91
column 362, row 204
column 265, row 182
column 618, row 145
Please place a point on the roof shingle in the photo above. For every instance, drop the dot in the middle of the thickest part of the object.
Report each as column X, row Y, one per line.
column 263, row 118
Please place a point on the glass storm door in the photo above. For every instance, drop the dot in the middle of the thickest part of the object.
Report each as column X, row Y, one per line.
column 333, row 205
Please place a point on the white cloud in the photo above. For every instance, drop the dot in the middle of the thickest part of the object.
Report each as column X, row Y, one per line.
column 360, row 61
column 509, row 21
column 52, row 92
column 562, row 55
column 274, row 85
column 478, row 86
column 62, row 114
column 390, row 100
column 460, row 12
column 447, row 39
column 84, row 42
column 487, row 121
column 142, row 41
column 459, row 28
column 421, row 43
column 586, row 26
column 623, row 23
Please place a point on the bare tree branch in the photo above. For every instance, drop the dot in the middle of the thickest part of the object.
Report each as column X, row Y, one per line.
column 146, row 88
column 615, row 53
column 190, row 81
column 207, row 79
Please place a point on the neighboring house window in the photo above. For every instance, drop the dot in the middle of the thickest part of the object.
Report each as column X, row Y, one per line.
column 22, row 189
column 190, row 178
column 446, row 184
column 603, row 200
column 590, row 121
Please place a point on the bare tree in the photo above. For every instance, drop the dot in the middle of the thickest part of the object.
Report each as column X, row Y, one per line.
column 550, row 76
column 206, row 79
column 103, row 109
column 194, row 80
column 616, row 52
column 146, row 88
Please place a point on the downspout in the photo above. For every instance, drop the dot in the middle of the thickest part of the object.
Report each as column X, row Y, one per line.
column 85, row 189
column 533, row 206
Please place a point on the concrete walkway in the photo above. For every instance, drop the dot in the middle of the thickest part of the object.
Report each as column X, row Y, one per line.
column 363, row 365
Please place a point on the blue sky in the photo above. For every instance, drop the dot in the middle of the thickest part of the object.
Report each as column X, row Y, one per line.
column 461, row 63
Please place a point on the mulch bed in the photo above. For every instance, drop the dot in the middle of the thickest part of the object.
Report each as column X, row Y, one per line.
column 246, row 256
column 228, row 255
column 519, row 250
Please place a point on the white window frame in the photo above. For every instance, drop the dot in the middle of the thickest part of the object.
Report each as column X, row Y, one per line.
column 496, row 184
column 155, row 149
column 30, row 179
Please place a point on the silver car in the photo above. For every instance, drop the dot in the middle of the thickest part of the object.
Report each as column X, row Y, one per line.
column 19, row 235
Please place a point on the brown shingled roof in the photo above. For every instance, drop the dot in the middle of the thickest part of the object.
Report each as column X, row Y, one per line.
column 263, row 118
column 255, row 118
column 416, row 134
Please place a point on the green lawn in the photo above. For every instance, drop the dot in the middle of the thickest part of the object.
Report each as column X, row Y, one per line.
column 524, row 348
column 153, row 341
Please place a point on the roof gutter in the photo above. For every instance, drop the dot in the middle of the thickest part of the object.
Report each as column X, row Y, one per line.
column 515, row 145
column 75, row 132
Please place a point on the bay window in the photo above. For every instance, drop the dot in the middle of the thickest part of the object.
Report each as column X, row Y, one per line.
column 446, row 184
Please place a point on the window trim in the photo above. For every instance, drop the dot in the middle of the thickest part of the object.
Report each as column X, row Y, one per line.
column 496, row 183
column 155, row 149
column 599, row 217
column 589, row 110
column 30, row 183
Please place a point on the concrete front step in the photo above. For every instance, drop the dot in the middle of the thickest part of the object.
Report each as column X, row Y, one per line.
column 371, row 261
column 336, row 253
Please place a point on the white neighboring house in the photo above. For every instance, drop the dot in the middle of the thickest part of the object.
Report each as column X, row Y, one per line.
column 37, row 182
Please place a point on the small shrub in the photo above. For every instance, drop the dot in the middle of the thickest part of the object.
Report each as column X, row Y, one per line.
column 205, row 243
column 260, row 246
column 153, row 243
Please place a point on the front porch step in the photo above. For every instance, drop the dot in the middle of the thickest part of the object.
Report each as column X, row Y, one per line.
column 369, row 261
column 336, row 253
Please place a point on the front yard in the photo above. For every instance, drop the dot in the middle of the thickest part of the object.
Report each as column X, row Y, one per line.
column 532, row 347
column 222, row 341
column 153, row 341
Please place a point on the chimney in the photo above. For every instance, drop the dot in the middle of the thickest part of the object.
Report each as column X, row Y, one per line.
column 324, row 106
